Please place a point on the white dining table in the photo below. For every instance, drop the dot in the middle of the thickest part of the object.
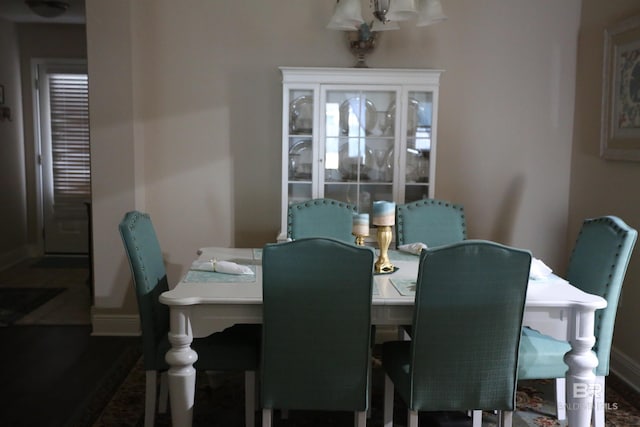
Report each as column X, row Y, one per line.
column 206, row 302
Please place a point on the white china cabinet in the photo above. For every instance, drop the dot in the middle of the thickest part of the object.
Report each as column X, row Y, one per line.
column 358, row 135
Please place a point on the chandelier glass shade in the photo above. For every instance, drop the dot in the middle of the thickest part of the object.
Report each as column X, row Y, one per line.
column 386, row 15
column 401, row 10
column 347, row 15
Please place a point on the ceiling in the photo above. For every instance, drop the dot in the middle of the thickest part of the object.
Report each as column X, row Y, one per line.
column 18, row 11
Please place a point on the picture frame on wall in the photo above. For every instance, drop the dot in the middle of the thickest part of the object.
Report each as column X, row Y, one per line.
column 620, row 120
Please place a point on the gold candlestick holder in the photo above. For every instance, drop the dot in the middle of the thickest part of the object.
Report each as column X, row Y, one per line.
column 359, row 239
column 383, row 265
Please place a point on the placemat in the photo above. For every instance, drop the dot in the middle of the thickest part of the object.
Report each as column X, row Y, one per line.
column 395, row 255
column 200, row 276
column 405, row 287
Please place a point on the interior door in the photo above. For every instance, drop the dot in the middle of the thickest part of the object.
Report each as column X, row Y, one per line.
column 63, row 113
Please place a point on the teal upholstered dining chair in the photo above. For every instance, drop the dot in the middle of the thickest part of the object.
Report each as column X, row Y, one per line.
column 430, row 221
column 597, row 265
column 316, row 319
column 234, row 349
column 464, row 351
column 320, row 218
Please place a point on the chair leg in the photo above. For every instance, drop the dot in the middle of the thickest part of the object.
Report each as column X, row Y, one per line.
column 412, row 418
column 388, row 402
column 505, row 418
column 370, row 392
column 598, row 404
column 476, row 418
column 267, row 417
column 250, row 398
column 360, row 419
column 150, row 398
column 561, row 399
column 163, row 397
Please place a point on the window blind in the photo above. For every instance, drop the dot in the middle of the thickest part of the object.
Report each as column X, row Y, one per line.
column 69, row 109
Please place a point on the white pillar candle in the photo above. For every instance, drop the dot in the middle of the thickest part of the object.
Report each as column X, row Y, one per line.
column 384, row 213
column 361, row 224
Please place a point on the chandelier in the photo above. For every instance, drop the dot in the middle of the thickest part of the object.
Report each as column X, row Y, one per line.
column 386, row 15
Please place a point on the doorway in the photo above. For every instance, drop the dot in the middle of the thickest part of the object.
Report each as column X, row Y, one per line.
column 61, row 102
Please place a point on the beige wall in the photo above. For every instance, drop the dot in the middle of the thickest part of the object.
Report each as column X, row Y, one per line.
column 114, row 162
column 506, row 118
column 603, row 187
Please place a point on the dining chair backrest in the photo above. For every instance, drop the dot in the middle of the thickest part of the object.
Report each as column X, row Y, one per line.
column 598, row 265
column 320, row 218
column 316, row 325
column 150, row 280
column 464, row 350
column 430, row 221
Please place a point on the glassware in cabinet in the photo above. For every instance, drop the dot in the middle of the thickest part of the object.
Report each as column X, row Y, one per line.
column 356, row 151
column 301, row 112
column 419, row 145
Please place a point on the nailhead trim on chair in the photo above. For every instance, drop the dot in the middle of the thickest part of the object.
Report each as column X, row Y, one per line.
column 423, row 202
column 307, row 204
column 132, row 226
column 620, row 231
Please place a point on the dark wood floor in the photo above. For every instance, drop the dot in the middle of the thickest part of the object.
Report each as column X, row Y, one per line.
column 49, row 373
column 51, row 369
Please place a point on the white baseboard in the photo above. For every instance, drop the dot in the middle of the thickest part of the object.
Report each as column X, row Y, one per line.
column 625, row 368
column 115, row 324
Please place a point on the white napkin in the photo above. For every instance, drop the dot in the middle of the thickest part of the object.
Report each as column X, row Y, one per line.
column 412, row 248
column 539, row 269
column 226, row 267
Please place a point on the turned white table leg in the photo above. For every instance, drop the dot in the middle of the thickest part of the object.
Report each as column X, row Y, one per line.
column 580, row 379
column 182, row 375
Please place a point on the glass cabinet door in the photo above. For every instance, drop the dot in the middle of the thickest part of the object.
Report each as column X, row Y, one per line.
column 418, row 153
column 358, row 141
column 300, row 144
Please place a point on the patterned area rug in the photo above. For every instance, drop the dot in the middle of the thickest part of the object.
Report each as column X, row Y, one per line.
column 220, row 400
column 16, row 303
